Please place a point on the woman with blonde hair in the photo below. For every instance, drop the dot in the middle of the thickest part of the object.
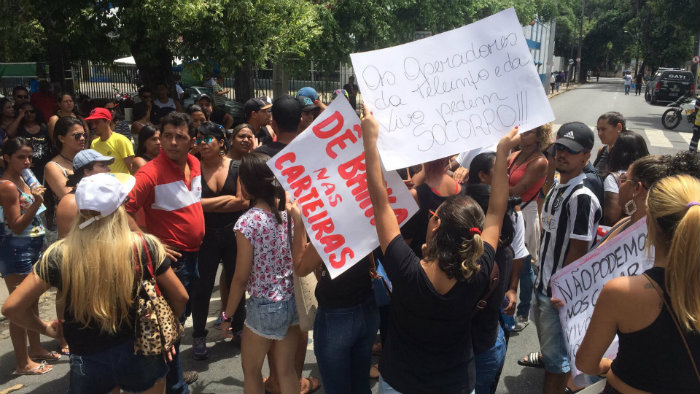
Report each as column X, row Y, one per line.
column 99, row 267
column 656, row 316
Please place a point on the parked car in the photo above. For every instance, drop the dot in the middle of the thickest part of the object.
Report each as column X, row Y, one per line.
column 669, row 84
column 192, row 93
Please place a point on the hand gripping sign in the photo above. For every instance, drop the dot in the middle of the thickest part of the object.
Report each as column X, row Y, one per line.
column 579, row 283
column 324, row 170
column 452, row 92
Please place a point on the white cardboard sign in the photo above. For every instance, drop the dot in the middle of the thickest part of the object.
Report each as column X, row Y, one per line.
column 452, row 92
column 324, row 170
column 579, row 283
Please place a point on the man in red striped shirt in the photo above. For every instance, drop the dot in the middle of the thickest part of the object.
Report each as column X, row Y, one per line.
column 169, row 190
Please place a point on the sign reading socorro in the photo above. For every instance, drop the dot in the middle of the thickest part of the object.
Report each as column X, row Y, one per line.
column 324, row 170
column 452, row 92
column 579, row 283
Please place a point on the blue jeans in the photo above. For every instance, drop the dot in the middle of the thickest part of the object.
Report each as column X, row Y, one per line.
column 187, row 271
column 489, row 364
column 627, row 89
column 117, row 366
column 527, row 278
column 555, row 356
column 343, row 346
column 18, row 254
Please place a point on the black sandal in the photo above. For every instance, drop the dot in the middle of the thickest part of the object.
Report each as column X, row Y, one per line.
column 533, row 359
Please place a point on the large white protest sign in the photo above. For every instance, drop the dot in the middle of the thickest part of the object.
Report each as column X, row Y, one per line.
column 324, row 170
column 579, row 283
column 452, row 92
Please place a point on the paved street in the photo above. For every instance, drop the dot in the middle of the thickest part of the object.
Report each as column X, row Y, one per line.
column 222, row 372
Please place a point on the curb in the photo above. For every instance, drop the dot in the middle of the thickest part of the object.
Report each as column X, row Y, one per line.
column 561, row 91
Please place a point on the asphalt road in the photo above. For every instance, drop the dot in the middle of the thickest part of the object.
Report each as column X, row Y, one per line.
column 222, row 372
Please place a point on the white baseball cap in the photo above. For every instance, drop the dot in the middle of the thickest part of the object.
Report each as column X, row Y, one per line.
column 103, row 193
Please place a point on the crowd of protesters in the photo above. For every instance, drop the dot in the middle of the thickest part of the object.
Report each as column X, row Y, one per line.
column 181, row 191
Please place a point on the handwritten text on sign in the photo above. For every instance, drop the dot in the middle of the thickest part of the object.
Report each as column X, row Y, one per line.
column 324, row 169
column 580, row 283
column 452, row 92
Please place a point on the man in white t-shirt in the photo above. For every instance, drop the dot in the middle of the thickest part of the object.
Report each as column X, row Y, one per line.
column 628, row 83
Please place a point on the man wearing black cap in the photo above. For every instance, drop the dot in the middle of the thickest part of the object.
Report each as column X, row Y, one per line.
column 286, row 115
column 257, row 114
column 570, row 219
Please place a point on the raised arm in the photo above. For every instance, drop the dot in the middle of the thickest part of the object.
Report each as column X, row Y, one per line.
column 386, row 225
column 499, row 189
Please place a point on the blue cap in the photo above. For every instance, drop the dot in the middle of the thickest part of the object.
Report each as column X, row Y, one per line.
column 87, row 156
column 308, row 92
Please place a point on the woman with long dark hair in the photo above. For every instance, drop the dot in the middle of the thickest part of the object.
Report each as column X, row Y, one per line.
column 36, row 132
column 629, row 146
column 264, row 268
column 21, row 245
column 149, row 146
column 434, row 298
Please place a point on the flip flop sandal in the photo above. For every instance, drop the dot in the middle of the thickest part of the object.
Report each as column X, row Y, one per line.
column 534, row 360
column 38, row 370
column 314, row 384
column 50, row 356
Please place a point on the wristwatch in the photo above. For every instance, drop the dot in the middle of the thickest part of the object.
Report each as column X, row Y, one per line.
column 224, row 318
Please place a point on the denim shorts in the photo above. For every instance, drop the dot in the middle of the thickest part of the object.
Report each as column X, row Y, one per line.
column 385, row 388
column 18, row 254
column 271, row 319
column 101, row 372
column 552, row 343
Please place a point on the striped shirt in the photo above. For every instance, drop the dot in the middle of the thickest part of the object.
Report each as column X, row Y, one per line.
column 172, row 207
column 571, row 211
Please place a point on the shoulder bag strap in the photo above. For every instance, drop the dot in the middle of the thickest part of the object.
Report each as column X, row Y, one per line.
column 149, row 263
column 673, row 317
column 493, row 283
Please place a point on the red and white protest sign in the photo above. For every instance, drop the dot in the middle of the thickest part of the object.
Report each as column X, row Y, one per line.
column 324, row 171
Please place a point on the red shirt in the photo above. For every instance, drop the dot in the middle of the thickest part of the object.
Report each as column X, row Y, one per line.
column 45, row 103
column 517, row 172
column 172, row 208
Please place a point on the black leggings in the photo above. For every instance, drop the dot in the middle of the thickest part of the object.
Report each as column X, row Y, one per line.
column 218, row 246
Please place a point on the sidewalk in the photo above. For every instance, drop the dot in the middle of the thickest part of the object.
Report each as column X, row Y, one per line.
column 562, row 89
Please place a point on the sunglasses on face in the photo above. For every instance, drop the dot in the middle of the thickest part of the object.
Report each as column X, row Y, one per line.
column 29, row 111
column 22, row 96
column 199, row 140
column 559, row 148
column 78, row 136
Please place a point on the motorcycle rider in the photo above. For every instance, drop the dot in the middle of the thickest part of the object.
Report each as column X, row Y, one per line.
column 696, row 127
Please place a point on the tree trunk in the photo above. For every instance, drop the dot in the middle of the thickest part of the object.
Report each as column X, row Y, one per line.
column 243, row 83
column 155, row 66
column 58, row 65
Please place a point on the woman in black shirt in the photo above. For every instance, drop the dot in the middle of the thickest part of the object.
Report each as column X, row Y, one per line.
column 346, row 322
column 429, row 346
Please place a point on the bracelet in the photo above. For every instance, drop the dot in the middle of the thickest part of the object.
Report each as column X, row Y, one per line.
column 224, row 318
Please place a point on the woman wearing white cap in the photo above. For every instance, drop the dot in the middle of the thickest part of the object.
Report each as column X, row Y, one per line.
column 96, row 268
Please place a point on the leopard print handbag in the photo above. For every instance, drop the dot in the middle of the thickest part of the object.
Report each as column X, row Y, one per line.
column 156, row 326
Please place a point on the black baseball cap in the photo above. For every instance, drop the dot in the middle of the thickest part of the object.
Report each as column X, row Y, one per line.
column 307, row 104
column 576, row 136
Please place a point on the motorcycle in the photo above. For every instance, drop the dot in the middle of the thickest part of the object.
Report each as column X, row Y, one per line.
column 672, row 117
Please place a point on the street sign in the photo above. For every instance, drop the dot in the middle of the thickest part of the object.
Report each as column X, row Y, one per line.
column 571, row 61
column 696, row 59
column 578, row 60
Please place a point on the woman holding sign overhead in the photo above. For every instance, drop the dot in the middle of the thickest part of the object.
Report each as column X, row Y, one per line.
column 429, row 345
column 656, row 316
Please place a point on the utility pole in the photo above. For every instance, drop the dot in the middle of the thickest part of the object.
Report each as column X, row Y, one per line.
column 579, row 69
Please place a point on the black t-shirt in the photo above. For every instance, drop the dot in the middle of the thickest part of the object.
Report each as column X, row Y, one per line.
column 351, row 288
column 221, row 220
column 485, row 323
column 429, row 345
column 83, row 341
column 271, row 149
column 594, row 183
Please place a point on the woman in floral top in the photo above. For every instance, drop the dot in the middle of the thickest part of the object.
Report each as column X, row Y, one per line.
column 264, row 268
column 22, row 237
